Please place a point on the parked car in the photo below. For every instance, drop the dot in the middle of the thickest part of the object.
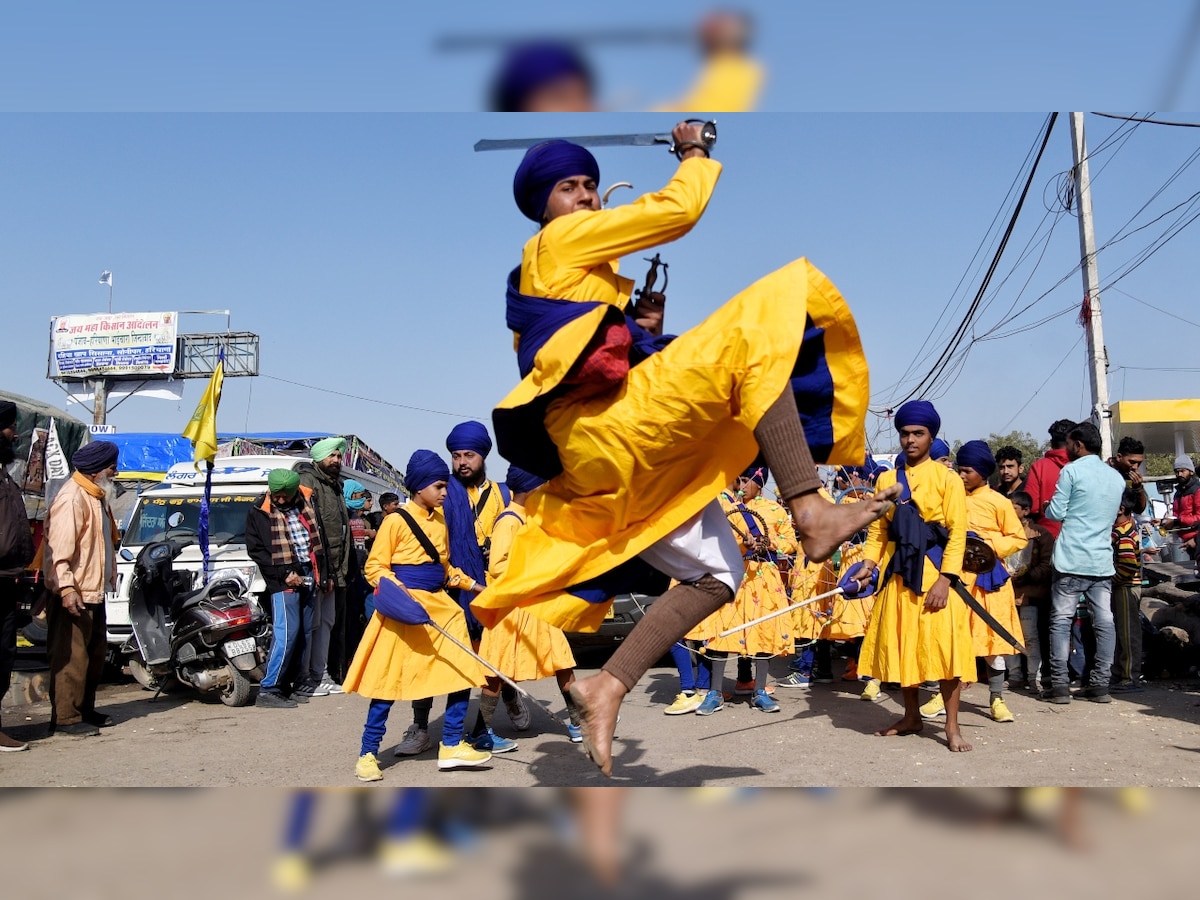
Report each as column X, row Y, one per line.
column 627, row 611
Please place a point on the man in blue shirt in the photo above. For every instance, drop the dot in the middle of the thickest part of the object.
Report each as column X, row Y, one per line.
column 1086, row 500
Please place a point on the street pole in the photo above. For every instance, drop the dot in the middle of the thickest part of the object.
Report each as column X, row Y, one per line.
column 1097, row 353
column 100, row 402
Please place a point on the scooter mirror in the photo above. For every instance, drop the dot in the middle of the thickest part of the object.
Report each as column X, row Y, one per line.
column 126, row 554
column 175, row 519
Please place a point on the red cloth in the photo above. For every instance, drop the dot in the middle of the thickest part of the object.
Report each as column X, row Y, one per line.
column 1040, row 484
column 605, row 360
column 1186, row 508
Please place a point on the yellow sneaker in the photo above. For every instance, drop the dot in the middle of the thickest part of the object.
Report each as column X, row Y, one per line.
column 871, row 691
column 684, row 703
column 414, row 856
column 1000, row 712
column 291, row 873
column 367, row 768
column 935, row 707
column 461, row 756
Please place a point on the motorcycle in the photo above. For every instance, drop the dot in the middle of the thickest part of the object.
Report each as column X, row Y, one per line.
column 212, row 638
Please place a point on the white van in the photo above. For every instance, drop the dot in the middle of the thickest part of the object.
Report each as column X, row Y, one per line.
column 171, row 509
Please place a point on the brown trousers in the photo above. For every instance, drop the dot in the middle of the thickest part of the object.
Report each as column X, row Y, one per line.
column 76, row 646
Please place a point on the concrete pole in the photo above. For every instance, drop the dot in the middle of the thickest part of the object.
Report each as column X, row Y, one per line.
column 1097, row 354
column 100, row 401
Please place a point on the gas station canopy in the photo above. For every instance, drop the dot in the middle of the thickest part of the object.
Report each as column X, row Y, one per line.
column 1164, row 426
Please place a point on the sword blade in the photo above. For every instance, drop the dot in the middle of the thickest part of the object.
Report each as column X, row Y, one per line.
column 990, row 620
column 588, row 140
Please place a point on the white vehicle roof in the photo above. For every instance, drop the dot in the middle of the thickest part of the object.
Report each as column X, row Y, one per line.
column 230, row 470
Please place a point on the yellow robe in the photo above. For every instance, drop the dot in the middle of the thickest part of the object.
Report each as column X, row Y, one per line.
column 395, row 661
column 485, row 518
column 993, row 518
column 837, row 618
column 728, row 82
column 646, row 456
column 761, row 591
column 521, row 646
column 904, row 642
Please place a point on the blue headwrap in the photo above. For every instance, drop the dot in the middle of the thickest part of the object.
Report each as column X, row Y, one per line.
column 351, row 487
column 424, row 468
column 939, row 450
column 758, row 474
column 545, row 166
column 978, row 456
column 95, row 457
column 470, row 436
column 920, row 413
column 521, row 482
column 533, row 66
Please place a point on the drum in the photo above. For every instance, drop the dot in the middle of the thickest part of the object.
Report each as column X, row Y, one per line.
column 979, row 557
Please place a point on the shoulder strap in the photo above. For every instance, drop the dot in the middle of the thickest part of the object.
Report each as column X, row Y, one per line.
column 505, row 493
column 421, row 536
column 507, row 512
column 483, row 499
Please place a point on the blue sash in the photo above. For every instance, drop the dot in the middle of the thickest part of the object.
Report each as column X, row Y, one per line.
column 427, row 576
column 755, row 532
column 915, row 539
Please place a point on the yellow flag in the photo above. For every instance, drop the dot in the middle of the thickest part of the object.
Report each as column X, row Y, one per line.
column 202, row 429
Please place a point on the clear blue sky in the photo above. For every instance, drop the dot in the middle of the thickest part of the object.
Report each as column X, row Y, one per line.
column 872, row 55
column 370, row 251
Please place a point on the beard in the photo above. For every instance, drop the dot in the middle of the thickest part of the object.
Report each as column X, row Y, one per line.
column 109, row 487
column 8, row 452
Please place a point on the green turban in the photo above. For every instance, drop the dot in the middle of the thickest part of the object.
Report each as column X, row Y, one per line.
column 322, row 449
column 283, row 481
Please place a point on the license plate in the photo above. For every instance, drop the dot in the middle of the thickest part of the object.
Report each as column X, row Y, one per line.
column 237, row 648
column 610, row 615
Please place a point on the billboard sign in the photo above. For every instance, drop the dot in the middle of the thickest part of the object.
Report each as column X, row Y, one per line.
column 111, row 344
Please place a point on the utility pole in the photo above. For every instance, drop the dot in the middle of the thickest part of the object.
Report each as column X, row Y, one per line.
column 100, row 401
column 1097, row 354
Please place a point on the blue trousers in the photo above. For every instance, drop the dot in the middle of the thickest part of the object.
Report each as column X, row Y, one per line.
column 452, row 725
column 291, row 622
column 693, row 674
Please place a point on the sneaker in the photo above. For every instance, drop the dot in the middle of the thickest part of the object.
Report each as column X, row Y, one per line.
column 461, row 756
column 274, row 700
column 416, row 740
column 798, row 665
column 684, row 703
column 76, row 729
column 935, row 707
column 11, row 744
column 414, row 856
column 367, row 768
column 310, row 690
column 762, row 701
column 795, row 680
column 1060, row 696
column 490, row 742
column 518, row 713
column 1126, row 687
column 743, row 688
column 713, row 702
column 575, row 733
column 1000, row 711
column 330, row 686
column 291, row 873
column 851, row 673
column 1097, row 695
column 871, row 692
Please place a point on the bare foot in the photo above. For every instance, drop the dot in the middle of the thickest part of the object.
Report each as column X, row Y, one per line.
column 903, row 727
column 823, row 526
column 599, row 700
column 956, row 741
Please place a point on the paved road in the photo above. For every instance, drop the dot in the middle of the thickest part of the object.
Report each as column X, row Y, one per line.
column 822, row 736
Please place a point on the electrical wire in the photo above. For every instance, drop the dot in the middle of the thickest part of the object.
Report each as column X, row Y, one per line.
column 313, row 387
column 1148, row 120
column 1078, row 341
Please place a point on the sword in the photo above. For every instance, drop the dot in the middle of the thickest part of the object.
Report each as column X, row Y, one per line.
column 708, row 136
column 988, row 618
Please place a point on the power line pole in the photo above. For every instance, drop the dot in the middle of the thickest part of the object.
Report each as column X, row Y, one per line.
column 1097, row 354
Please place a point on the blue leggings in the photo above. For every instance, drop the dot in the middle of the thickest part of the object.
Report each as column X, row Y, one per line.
column 452, row 725
column 691, row 679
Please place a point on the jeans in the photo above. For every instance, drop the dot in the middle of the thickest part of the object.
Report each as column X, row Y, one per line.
column 1065, row 594
column 291, row 621
column 316, row 655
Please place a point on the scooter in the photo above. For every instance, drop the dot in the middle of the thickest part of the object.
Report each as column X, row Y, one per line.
column 211, row 638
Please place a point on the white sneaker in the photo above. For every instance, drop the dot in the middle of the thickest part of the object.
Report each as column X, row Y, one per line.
column 415, row 741
column 330, row 686
column 311, row 690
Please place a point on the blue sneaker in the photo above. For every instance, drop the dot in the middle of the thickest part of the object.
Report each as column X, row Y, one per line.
column 762, row 700
column 713, row 702
column 490, row 742
column 575, row 733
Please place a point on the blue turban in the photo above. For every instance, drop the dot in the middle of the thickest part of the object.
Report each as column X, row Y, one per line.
column 424, row 468
column 470, row 436
column 545, row 166
column 919, row 413
column 350, row 487
column 95, row 457
column 533, row 66
column 939, row 450
column 978, row 456
column 758, row 474
column 521, row 482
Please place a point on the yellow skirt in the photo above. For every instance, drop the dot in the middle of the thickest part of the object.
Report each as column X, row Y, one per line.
column 525, row 648
column 410, row 662
column 837, row 618
column 641, row 459
column 760, row 594
column 1002, row 604
column 908, row 645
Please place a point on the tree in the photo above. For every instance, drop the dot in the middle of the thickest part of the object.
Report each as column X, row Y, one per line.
column 1031, row 448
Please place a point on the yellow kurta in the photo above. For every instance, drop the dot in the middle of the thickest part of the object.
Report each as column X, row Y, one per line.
column 646, row 456
column 485, row 517
column 521, row 646
column 729, row 82
column 838, row 618
column 904, row 642
column 761, row 591
column 395, row 661
column 993, row 518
